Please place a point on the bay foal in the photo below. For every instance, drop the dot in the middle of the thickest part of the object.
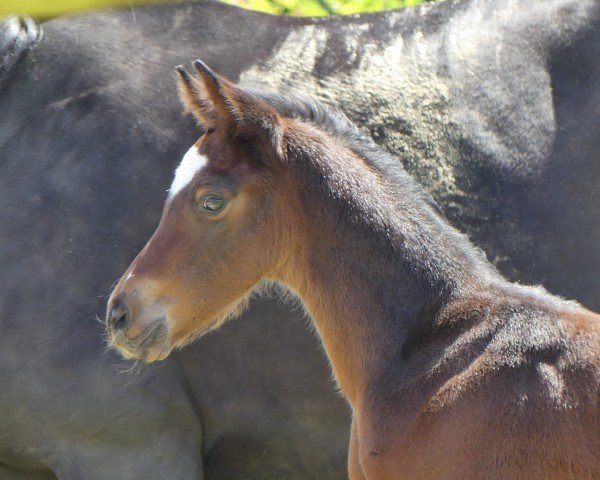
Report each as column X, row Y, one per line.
column 451, row 371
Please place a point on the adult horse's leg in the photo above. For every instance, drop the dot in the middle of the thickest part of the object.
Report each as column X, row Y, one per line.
column 160, row 460
column 90, row 422
column 10, row 473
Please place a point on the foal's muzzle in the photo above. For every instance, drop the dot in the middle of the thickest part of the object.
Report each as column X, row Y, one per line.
column 134, row 336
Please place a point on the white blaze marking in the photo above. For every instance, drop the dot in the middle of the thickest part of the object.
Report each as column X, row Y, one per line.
column 190, row 165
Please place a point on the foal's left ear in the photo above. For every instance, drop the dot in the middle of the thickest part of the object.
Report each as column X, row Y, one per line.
column 215, row 100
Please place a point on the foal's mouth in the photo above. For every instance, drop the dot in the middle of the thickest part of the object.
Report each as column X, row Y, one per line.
column 149, row 345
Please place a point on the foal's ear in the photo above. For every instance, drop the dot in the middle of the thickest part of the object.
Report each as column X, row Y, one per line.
column 195, row 97
column 214, row 99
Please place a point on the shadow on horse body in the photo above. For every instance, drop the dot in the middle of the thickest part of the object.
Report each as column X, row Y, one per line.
column 450, row 370
column 488, row 104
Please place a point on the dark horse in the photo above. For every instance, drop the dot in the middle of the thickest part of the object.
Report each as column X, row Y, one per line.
column 449, row 369
column 491, row 105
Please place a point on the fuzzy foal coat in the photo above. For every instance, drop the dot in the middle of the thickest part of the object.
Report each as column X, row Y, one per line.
column 451, row 371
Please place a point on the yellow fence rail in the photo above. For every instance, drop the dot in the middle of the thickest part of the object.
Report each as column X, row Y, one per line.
column 52, row 8
column 44, row 9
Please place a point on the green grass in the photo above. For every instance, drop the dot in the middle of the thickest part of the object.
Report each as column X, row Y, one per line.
column 43, row 9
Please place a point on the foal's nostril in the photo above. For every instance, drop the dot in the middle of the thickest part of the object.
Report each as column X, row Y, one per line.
column 118, row 317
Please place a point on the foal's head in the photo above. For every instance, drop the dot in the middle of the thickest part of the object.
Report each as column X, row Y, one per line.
column 228, row 223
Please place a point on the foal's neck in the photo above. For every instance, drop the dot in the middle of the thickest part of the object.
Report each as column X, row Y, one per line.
column 376, row 262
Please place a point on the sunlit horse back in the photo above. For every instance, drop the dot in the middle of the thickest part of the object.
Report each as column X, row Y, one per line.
column 450, row 370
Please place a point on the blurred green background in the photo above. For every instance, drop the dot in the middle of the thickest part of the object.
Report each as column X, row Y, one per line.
column 44, row 9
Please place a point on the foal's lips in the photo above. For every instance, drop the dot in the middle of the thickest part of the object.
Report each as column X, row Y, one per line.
column 149, row 346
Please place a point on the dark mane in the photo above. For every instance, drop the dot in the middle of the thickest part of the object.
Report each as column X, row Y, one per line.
column 293, row 104
column 334, row 122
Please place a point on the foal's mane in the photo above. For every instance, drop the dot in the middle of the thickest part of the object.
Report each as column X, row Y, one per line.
column 335, row 123
column 303, row 107
column 292, row 104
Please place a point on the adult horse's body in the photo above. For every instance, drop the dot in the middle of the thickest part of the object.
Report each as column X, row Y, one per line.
column 498, row 100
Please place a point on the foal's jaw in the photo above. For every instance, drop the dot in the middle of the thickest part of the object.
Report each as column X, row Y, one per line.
column 149, row 330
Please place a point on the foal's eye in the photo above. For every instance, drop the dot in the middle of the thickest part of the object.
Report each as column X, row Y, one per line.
column 213, row 203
